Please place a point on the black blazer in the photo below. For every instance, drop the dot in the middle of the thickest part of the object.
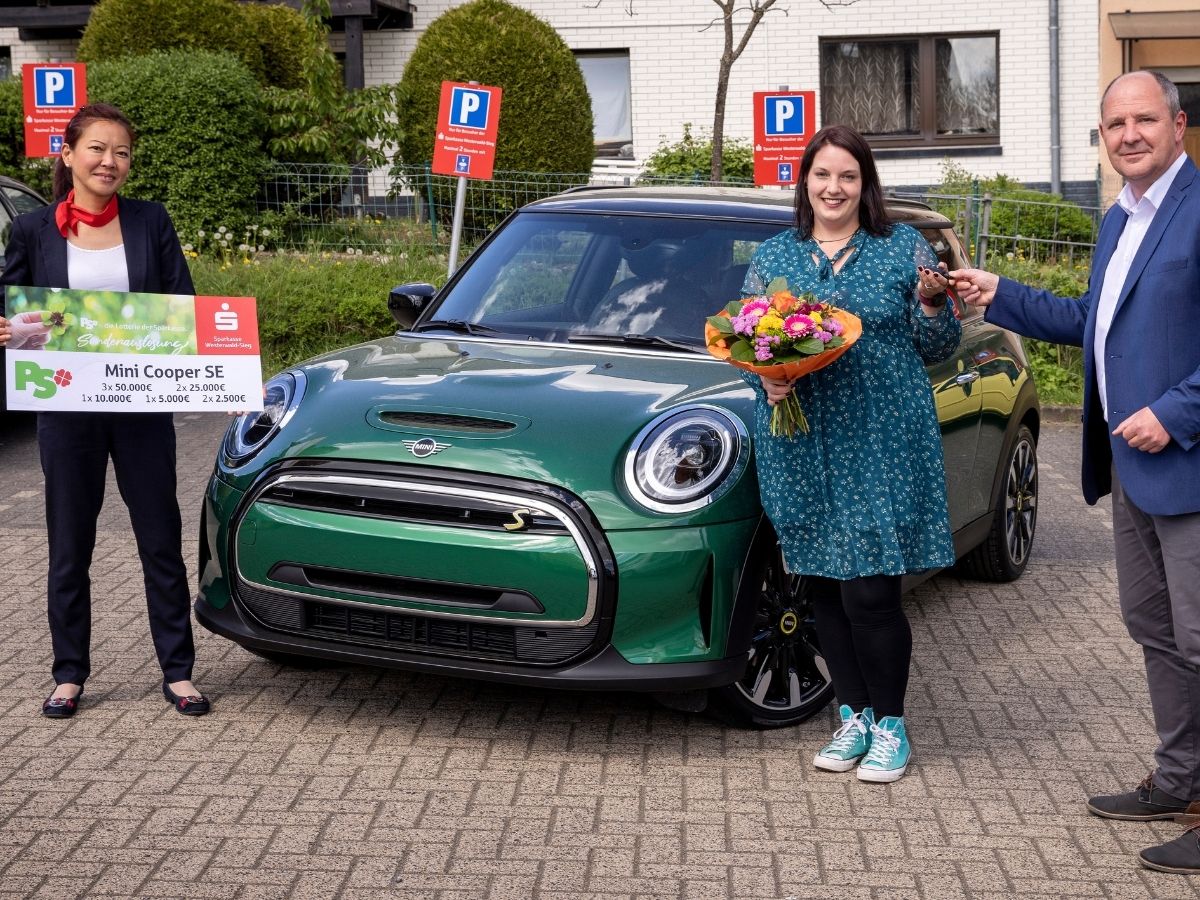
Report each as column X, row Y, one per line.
column 36, row 255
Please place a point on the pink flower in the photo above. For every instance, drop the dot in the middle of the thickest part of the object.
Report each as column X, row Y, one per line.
column 798, row 325
column 832, row 324
column 756, row 308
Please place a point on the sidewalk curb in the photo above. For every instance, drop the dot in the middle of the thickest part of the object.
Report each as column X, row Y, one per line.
column 1071, row 414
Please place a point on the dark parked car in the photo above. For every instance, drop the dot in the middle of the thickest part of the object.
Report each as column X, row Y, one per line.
column 543, row 478
column 15, row 198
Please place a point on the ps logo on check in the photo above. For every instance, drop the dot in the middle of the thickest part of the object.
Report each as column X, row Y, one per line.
column 424, row 447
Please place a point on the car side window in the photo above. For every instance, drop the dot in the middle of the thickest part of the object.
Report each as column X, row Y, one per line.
column 5, row 231
column 949, row 251
column 22, row 201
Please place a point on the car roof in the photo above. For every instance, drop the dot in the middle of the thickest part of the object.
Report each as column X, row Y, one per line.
column 12, row 182
column 707, row 201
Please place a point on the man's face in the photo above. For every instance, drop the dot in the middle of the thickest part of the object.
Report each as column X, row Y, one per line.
column 1141, row 136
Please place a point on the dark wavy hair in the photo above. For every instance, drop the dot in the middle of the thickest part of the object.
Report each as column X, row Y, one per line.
column 872, row 214
column 93, row 112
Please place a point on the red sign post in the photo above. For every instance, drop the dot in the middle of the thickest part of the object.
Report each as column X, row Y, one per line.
column 53, row 93
column 784, row 121
column 468, row 120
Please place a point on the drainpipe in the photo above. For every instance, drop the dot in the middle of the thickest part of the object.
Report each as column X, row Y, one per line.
column 1055, row 118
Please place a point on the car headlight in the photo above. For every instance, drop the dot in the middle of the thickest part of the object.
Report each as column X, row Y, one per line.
column 686, row 459
column 251, row 431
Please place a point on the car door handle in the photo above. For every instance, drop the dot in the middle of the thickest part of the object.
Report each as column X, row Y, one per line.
column 966, row 378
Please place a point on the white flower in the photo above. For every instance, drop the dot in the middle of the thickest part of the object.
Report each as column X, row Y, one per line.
column 266, row 232
column 200, row 233
column 261, row 248
column 188, row 248
column 222, row 230
column 242, row 248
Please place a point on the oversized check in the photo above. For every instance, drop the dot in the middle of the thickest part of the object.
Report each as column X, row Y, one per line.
column 79, row 350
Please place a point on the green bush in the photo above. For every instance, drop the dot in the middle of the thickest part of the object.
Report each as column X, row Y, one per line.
column 1018, row 211
column 272, row 41
column 546, row 113
column 691, row 158
column 34, row 172
column 1057, row 368
column 309, row 304
column 199, row 121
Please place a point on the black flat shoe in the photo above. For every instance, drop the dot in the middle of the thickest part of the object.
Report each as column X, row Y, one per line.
column 1145, row 803
column 61, row 707
column 193, row 705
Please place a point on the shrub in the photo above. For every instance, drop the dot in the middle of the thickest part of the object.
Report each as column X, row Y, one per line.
column 312, row 303
column 1019, row 211
column 34, row 172
column 546, row 114
column 691, row 158
column 199, row 121
column 272, row 41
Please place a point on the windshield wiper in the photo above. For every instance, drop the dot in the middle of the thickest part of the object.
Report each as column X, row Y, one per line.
column 630, row 340
column 461, row 326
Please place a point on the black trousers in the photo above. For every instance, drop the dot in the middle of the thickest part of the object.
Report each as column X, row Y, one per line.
column 866, row 641
column 75, row 449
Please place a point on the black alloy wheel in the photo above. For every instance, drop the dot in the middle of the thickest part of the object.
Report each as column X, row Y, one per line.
column 1004, row 554
column 785, row 681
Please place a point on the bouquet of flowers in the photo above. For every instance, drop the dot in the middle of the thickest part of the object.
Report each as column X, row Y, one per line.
column 782, row 336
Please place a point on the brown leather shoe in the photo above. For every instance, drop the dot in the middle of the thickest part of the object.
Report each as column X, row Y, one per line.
column 1145, row 803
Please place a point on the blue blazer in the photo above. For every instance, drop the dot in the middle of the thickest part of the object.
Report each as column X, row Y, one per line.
column 1152, row 351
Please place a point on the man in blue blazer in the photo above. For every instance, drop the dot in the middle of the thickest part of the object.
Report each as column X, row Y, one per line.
column 1139, row 326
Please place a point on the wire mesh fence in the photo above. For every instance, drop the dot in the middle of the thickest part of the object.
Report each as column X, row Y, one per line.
column 336, row 208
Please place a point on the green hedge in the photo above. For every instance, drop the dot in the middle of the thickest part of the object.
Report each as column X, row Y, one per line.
column 200, row 123
column 691, row 157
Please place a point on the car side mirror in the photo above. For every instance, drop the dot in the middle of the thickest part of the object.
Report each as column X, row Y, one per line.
column 406, row 301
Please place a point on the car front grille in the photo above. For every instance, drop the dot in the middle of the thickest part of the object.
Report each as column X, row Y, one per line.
column 403, row 631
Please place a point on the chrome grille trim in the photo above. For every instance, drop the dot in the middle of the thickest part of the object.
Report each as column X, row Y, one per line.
column 409, row 486
column 445, row 422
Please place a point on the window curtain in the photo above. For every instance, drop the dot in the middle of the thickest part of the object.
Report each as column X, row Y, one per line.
column 872, row 86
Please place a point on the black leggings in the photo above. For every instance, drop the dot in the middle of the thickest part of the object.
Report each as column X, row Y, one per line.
column 865, row 640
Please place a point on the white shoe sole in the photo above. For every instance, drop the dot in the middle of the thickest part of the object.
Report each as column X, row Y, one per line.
column 881, row 776
column 835, row 765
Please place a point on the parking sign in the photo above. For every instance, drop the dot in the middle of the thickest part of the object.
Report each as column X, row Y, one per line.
column 53, row 93
column 783, row 123
column 468, row 122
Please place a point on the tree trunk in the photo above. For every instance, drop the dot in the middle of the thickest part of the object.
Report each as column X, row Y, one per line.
column 758, row 9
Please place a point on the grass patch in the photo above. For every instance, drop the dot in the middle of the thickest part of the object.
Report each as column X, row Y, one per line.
column 311, row 303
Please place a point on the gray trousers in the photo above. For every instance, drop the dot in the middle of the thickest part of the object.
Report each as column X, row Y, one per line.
column 1158, row 577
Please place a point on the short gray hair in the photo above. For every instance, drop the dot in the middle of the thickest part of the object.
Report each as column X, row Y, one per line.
column 1169, row 91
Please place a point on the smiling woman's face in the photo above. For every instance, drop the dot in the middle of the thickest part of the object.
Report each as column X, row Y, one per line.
column 99, row 161
column 834, row 186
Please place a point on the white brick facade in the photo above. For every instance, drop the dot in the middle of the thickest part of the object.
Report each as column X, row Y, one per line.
column 675, row 45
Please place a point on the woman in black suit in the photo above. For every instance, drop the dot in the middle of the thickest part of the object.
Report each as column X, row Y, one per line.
column 93, row 239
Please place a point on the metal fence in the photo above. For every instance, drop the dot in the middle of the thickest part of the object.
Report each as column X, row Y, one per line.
column 354, row 208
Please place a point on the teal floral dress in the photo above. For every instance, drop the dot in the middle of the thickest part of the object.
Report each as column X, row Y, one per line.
column 864, row 492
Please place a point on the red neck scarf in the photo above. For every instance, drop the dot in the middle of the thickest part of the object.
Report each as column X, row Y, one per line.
column 69, row 215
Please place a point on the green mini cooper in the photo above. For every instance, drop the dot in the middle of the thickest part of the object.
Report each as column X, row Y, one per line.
column 544, row 478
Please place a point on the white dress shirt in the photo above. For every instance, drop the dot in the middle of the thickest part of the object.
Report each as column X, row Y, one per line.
column 1141, row 214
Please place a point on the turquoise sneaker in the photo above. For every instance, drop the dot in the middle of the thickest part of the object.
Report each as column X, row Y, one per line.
column 890, row 751
column 850, row 742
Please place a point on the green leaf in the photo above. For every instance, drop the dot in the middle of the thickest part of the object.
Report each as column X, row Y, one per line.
column 779, row 283
column 742, row 352
column 733, row 307
column 721, row 324
column 810, row 346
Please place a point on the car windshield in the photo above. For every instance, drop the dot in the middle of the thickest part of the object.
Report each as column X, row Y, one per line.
column 646, row 280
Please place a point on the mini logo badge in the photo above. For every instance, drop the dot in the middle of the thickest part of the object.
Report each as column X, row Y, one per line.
column 424, row 447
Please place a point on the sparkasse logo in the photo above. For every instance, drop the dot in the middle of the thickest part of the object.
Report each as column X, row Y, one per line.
column 44, row 382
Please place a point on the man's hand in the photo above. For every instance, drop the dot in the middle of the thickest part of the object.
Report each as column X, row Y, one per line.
column 24, row 332
column 975, row 286
column 1143, row 431
column 777, row 388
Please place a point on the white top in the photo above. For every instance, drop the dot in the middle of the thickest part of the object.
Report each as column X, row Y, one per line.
column 1141, row 214
column 97, row 270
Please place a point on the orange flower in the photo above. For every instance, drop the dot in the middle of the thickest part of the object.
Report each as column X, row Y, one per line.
column 784, row 301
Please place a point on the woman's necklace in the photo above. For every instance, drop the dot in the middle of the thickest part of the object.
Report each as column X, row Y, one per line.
column 844, row 237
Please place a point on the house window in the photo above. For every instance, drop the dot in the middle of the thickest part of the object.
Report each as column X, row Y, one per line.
column 606, row 73
column 913, row 91
column 5, row 63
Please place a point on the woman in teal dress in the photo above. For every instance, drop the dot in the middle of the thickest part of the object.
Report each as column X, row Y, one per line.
column 861, row 498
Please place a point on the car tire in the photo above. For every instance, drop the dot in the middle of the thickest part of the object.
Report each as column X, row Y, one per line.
column 785, row 681
column 1004, row 554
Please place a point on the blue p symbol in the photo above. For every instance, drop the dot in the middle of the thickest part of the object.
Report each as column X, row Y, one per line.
column 54, row 87
column 784, row 115
column 469, row 109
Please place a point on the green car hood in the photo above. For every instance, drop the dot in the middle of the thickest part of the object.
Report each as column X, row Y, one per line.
column 556, row 414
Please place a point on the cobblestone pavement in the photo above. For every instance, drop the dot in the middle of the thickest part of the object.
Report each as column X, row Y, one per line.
column 349, row 782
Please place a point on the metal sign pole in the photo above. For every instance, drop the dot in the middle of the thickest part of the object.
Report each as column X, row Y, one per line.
column 460, row 201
